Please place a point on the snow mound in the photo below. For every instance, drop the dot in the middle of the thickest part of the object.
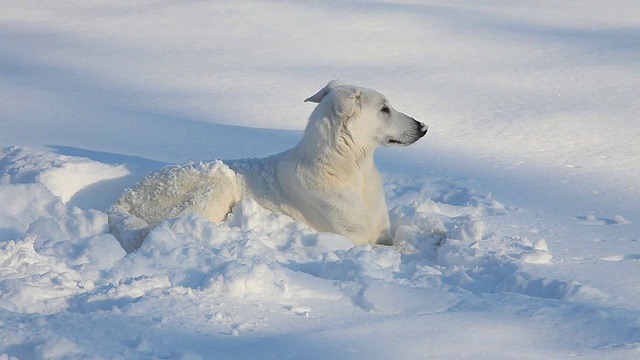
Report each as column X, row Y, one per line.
column 65, row 176
column 439, row 235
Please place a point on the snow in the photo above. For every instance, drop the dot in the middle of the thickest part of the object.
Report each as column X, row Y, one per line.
column 516, row 218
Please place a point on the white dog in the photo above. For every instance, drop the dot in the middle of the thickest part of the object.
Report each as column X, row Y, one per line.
column 328, row 180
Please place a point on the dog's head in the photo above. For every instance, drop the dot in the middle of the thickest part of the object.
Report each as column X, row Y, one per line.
column 367, row 116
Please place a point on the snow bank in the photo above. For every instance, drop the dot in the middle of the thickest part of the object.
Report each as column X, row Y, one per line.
column 59, row 259
column 75, row 180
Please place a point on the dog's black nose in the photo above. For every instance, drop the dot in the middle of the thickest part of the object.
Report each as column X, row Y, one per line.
column 422, row 128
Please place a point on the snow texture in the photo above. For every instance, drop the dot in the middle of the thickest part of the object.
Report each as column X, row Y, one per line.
column 516, row 218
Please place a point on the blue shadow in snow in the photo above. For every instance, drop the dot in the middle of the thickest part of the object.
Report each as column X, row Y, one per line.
column 102, row 194
column 108, row 157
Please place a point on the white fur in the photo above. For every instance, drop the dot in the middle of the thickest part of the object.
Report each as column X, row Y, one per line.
column 328, row 180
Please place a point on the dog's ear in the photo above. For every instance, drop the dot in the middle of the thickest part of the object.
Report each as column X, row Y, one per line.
column 317, row 97
column 346, row 101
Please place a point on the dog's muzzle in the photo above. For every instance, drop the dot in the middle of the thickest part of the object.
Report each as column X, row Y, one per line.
column 411, row 135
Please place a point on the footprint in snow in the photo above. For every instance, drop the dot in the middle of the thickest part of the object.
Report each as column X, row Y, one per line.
column 616, row 258
column 538, row 254
column 592, row 220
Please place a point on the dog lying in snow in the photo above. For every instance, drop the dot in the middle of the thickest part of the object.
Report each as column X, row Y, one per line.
column 328, row 180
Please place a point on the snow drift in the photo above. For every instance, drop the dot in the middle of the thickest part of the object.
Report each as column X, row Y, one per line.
column 59, row 260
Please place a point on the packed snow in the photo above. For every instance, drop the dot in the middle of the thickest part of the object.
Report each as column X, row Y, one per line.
column 516, row 218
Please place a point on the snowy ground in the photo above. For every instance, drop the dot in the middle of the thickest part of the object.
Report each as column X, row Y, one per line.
column 517, row 219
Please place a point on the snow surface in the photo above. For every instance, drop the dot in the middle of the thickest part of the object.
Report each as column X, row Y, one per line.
column 516, row 217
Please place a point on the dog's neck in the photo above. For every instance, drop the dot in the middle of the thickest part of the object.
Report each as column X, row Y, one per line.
column 328, row 148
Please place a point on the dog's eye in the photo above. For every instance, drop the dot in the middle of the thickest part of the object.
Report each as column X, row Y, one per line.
column 385, row 109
